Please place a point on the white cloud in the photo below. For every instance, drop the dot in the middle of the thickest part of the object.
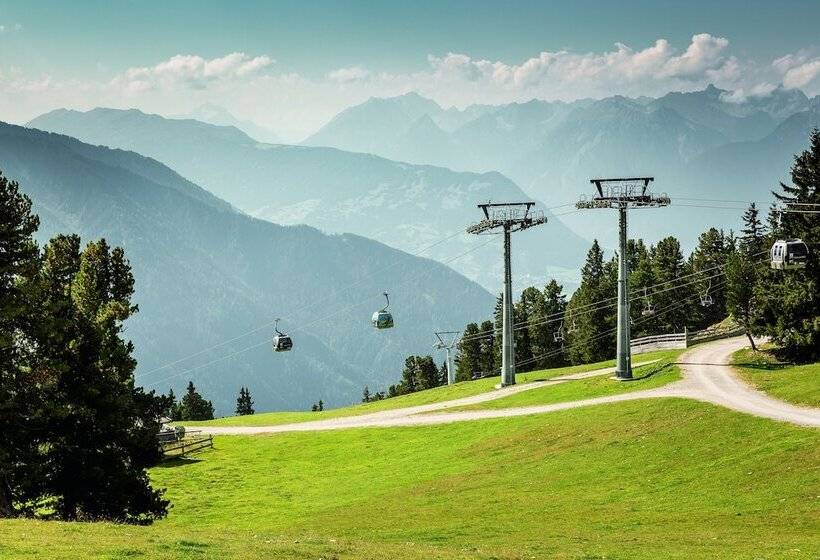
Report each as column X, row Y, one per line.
column 190, row 70
column 295, row 105
column 799, row 70
column 347, row 75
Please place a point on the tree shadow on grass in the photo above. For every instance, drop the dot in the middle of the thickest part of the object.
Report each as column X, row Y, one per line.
column 173, row 462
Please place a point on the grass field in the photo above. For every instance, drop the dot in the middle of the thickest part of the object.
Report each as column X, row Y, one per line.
column 671, row 478
column 439, row 394
column 796, row 384
column 646, row 377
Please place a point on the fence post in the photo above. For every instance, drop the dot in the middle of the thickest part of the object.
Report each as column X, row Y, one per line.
column 686, row 337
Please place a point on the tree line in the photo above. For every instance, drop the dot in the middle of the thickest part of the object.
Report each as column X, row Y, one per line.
column 726, row 274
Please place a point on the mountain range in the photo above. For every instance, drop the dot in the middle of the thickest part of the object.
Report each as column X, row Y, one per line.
column 207, row 275
column 694, row 144
column 404, row 205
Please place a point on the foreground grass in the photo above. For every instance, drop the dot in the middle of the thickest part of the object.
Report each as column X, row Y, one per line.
column 796, row 384
column 646, row 377
column 652, row 479
column 439, row 394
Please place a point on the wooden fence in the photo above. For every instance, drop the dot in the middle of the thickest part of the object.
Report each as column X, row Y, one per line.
column 192, row 442
column 682, row 340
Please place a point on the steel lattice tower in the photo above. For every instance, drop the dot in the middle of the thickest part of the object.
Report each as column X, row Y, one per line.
column 506, row 218
column 623, row 193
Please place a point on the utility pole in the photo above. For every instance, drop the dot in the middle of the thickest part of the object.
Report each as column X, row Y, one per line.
column 623, row 193
column 507, row 218
column 447, row 345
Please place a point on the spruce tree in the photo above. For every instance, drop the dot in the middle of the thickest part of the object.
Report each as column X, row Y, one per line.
column 84, row 299
column 244, row 403
column 468, row 356
column 19, row 397
column 366, row 395
column 194, row 407
column 790, row 299
column 753, row 232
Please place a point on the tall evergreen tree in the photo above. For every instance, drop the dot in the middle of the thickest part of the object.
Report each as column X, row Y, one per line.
column 85, row 297
column 753, row 233
column 468, row 356
column 673, row 297
column 791, row 299
column 366, row 394
column 244, row 403
column 708, row 260
column 19, row 397
column 593, row 338
column 194, row 407
column 490, row 359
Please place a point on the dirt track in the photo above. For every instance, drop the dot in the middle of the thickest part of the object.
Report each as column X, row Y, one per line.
column 707, row 377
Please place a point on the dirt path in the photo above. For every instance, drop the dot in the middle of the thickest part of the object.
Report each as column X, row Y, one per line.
column 707, row 377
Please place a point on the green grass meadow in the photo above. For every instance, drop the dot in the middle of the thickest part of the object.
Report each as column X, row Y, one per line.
column 797, row 384
column 439, row 394
column 654, row 479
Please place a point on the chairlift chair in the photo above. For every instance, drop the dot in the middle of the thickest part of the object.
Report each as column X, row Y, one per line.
column 382, row 319
column 558, row 336
column 281, row 341
column 789, row 254
column 648, row 309
column 706, row 298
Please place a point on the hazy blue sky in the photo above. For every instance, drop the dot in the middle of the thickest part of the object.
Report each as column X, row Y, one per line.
column 305, row 60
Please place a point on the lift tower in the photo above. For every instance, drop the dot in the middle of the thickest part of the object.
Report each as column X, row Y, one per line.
column 447, row 340
column 506, row 218
column 623, row 193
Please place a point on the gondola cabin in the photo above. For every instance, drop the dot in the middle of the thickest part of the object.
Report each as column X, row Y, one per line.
column 789, row 254
column 282, row 343
column 383, row 319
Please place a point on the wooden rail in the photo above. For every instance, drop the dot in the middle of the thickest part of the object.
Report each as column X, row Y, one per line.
column 186, row 446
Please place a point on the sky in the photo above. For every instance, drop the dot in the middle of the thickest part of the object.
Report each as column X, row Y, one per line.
column 291, row 66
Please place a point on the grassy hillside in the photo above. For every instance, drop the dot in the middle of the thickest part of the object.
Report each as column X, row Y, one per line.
column 533, row 487
column 796, row 384
column 646, row 377
column 439, row 394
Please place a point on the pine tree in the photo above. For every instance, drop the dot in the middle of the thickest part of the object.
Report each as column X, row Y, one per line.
column 468, row 356
column 321, row 405
column 790, row 300
column 19, row 397
column 593, row 338
column 194, row 407
column 85, row 297
column 489, row 358
column 741, row 301
column 366, row 394
column 674, row 300
column 244, row 403
column 708, row 260
column 753, row 232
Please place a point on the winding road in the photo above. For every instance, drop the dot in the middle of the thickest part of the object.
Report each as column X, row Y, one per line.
column 706, row 377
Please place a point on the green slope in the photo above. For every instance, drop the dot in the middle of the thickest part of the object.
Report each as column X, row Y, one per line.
column 645, row 377
column 796, row 384
column 439, row 394
column 652, row 479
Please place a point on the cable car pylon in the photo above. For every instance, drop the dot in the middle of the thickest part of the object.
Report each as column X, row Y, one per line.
column 447, row 343
column 623, row 193
column 507, row 217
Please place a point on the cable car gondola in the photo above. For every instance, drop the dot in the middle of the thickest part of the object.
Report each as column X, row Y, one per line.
column 281, row 342
column 382, row 319
column 789, row 254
